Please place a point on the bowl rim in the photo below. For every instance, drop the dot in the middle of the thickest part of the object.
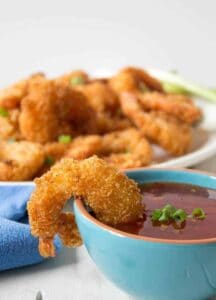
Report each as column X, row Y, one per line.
column 79, row 204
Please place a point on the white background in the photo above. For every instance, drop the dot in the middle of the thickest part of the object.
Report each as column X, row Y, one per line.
column 56, row 36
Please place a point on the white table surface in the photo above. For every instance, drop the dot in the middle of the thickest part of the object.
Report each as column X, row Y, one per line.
column 56, row 36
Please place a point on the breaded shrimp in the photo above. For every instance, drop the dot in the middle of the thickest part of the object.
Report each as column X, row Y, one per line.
column 169, row 133
column 20, row 160
column 38, row 119
column 9, row 126
column 74, row 78
column 133, row 80
column 11, row 96
column 127, row 149
column 100, row 96
column 178, row 106
column 106, row 123
column 84, row 147
column 51, row 109
column 55, row 150
column 112, row 196
column 124, row 149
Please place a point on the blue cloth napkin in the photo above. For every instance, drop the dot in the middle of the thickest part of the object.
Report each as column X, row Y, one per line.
column 17, row 246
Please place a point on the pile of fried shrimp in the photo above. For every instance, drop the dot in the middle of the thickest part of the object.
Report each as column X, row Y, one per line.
column 112, row 196
column 119, row 118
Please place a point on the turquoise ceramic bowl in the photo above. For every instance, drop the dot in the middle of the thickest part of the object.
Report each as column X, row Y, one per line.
column 149, row 268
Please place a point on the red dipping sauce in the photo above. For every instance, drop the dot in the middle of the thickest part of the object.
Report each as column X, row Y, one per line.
column 187, row 197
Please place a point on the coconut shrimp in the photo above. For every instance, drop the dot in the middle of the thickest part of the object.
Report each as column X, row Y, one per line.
column 178, row 106
column 20, row 160
column 112, row 196
column 133, row 80
column 168, row 132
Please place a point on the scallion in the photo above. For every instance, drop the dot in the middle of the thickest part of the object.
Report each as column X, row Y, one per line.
column 64, row 139
column 198, row 213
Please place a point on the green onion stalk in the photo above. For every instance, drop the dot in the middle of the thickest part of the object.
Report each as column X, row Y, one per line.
column 173, row 83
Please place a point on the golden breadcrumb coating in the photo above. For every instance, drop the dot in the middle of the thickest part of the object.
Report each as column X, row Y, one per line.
column 12, row 96
column 168, row 132
column 55, row 150
column 9, row 126
column 71, row 78
column 20, row 160
column 100, row 96
column 124, row 149
column 84, row 147
column 132, row 80
column 51, row 109
column 113, row 197
column 127, row 149
column 178, row 106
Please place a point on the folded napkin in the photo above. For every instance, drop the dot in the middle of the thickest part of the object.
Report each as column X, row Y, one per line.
column 17, row 246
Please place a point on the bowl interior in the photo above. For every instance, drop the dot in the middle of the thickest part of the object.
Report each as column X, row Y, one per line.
column 193, row 177
column 197, row 178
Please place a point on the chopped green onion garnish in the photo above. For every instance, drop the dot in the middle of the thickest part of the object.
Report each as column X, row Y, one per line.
column 3, row 112
column 77, row 80
column 169, row 209
column 198, row 213
column 164, row 217
column 180, row 215
column 169, row 213
column 156, row 214
column 64, row 139
column 49, row 160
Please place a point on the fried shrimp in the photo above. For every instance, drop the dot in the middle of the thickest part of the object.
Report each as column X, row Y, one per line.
column 127, row 149
column 38, row 121
column 162, row 129
column 133, row 80
column 106, row 123
column 100, row 96
column 50, row 110
column 11, row 97
column 55, row 150
column 106, row 105
column 84, row 147
column 124, row 149
column 74, row 78
column 20, row 160
column 9, row 127
column 112, row 196
column 178, row 106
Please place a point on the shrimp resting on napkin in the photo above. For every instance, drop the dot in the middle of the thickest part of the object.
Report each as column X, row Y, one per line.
column 112, row 196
